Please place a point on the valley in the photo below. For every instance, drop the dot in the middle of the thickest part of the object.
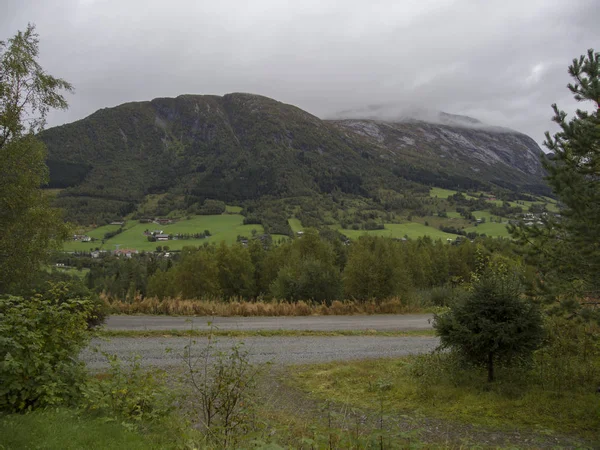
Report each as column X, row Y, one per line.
column 441, row 221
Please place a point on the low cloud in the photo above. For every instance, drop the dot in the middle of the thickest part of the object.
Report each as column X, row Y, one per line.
column 501, row 62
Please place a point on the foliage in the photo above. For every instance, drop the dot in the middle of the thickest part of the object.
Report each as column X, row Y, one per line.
column 236, row 271
column 307, row 271
column 27, row 93
column 40, row 340
column 29, row 226
column 567, row 249
column 440, row 385
column 222, row 390
column 128, row 392
column 63, row 429
column 493, row 324
column 375, row 269
column 315, row 266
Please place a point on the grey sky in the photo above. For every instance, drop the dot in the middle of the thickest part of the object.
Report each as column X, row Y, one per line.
column 501, row 61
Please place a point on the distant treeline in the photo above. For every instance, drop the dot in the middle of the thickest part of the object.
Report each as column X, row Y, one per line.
column 320, row 267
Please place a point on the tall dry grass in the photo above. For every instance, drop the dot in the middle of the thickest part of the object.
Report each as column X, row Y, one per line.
column 239, row 307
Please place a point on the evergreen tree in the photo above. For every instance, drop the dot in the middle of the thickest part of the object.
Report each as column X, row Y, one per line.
column 493, row 324
column 567, row 248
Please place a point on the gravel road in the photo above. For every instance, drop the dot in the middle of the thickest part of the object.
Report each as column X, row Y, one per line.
column 275, row 349
column 278, row 350
column 388, row 322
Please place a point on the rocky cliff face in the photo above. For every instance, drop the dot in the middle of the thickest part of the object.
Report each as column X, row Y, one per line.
column 500, row 155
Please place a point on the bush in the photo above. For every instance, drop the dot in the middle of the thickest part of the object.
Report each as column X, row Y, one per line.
column 65, row 291
column 129, row 393
column 222, row 391
column 40, row 340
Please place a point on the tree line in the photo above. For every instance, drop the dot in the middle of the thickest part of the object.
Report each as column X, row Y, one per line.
column 317, row 266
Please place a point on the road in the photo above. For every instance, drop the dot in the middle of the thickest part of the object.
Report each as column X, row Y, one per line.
column 311, row 323
column 165, row 352
column 168, row 351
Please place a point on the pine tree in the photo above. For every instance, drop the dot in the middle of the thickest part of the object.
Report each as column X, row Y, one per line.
column 566, row 249
column 494, row 324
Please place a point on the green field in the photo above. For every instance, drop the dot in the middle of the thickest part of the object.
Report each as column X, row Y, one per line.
column 441, row 193
column 445, row 193
column 233, row 209
column 224, row 227
column 295, row 225
column 399, row 230
column 490, row 229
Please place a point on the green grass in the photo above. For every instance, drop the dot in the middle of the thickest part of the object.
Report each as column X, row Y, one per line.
column 233, row 209
column 261, row 333
column 505, row 404
column 65, row 430
column 224, row 227
column 492, row 229
column 399, row 230
column 445, row 193
column 295, row 225
column 441, row 193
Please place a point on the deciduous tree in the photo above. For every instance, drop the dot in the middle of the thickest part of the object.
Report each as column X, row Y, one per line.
column 29, row 226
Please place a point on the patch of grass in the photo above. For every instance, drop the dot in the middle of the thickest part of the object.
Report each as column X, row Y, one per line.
column 223, row 227
column 295, row 225
column 398, row 230
column 259, row 333
column 233, row 209
column 493, row 229
column 441, row 193
column 65, row 429
column 508, row 403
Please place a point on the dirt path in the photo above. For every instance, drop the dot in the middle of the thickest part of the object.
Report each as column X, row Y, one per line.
column 280, row 395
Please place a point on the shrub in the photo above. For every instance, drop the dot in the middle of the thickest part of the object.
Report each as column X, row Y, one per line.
column 222, row 390
column 128, row 392
column 65, row 291
column 40, row 340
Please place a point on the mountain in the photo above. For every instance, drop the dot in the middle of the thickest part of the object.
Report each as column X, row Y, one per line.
column 243, row 147
column 457, row 145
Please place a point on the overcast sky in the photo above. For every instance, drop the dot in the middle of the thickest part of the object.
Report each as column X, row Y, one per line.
column 501, row 61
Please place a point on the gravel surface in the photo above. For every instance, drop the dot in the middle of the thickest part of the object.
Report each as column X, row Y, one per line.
column 278, row 350
column 384, row 322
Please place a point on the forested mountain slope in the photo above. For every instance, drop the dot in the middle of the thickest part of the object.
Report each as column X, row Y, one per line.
column 241, row 147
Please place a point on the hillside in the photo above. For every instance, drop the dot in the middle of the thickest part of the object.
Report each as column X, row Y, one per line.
column 245, row 148
column 454, row 151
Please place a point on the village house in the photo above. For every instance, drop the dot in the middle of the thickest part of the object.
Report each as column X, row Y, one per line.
column 127, row 252
column 161, row 237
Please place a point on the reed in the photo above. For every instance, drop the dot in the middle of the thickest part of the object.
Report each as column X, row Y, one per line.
column 239, row 307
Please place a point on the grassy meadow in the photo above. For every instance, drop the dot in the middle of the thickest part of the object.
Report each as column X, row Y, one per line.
column 412, row 230
column 223, row 227
column 515, row 401
column 228, row 226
